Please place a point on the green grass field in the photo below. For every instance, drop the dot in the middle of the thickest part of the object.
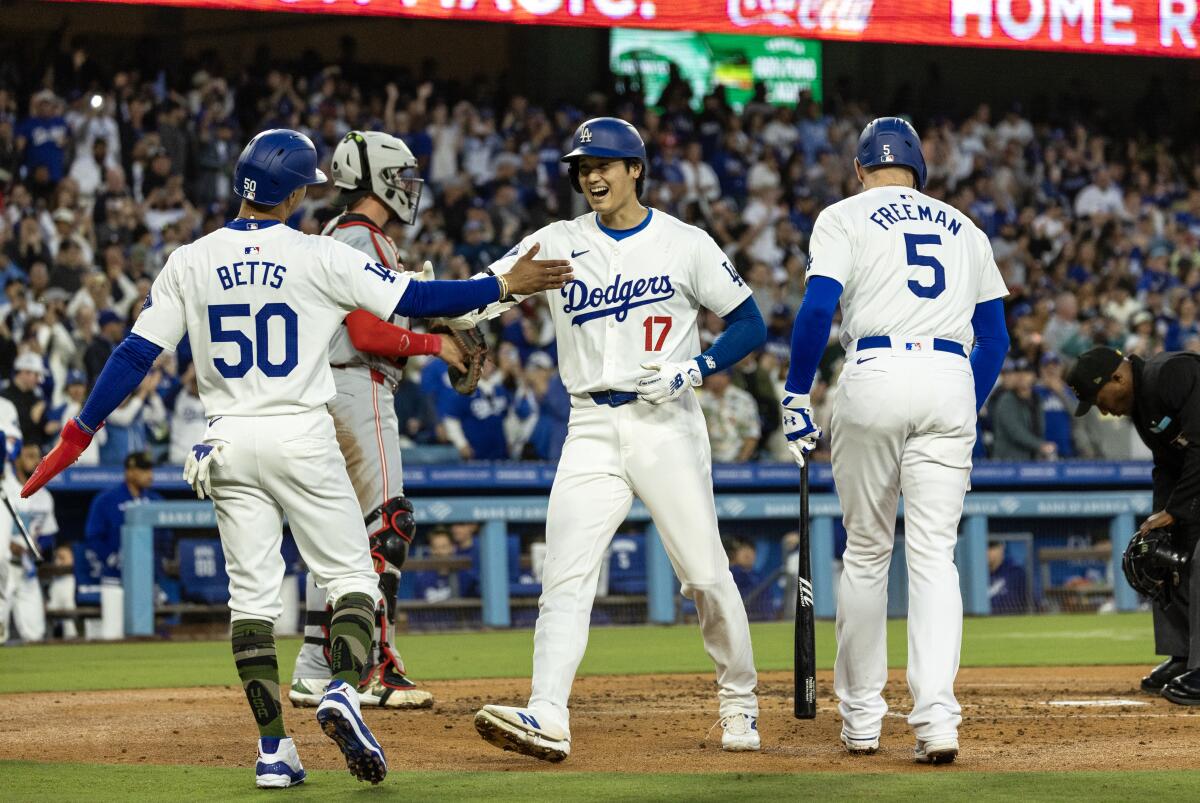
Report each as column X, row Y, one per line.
column 995, row 641
column 991, row 641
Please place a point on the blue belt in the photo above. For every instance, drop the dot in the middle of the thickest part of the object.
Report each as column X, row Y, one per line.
column 613, row 398
column 885, row 342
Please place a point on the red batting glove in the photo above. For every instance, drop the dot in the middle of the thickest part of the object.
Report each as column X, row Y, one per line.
column 71, row 443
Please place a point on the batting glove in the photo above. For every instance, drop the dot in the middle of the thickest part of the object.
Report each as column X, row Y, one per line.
column 198, row 467
column 665, row 381
column 799, row 427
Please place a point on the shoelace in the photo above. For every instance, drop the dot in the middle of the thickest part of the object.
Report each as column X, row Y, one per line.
column 741, row 729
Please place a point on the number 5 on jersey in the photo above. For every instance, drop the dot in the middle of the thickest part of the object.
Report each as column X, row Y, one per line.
column 917, row 259
column 654, row 343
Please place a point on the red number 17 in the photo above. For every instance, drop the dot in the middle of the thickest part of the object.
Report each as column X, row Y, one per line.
column 656, row 320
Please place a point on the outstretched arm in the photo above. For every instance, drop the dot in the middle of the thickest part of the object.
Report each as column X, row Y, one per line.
column 124, row 371
column 384, row 339
column 437, row 299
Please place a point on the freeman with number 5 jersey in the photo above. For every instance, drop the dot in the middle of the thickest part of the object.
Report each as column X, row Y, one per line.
column 630, row 357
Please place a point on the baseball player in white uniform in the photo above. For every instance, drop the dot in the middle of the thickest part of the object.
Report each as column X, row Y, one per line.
column 920, row 292
column 260, row 303
column 630, row 358
column 25, row 595
column 17, row 572
column 367, row 356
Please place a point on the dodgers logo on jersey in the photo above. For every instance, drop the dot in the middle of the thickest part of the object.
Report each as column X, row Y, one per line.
column 617, row 299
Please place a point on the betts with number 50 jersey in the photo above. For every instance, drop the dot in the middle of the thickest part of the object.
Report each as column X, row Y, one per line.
column 260, row 303
column 630, row 357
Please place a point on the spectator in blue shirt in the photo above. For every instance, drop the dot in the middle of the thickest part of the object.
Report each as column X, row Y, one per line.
column 475, row 423
column 463, row 535
column 1006, row 582
column 742, row 557
column 1058, row 404
column 106, row 516
column 1156, row 275
column 1183, row 327
column 43, row 138
column 437, row 585
column 554, row 407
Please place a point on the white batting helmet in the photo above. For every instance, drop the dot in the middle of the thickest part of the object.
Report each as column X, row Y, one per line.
column 373, row 162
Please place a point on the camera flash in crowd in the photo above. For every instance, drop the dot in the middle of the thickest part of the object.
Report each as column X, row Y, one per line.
column 96, row 101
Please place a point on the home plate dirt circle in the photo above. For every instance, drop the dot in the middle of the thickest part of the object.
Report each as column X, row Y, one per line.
column 1073, row 718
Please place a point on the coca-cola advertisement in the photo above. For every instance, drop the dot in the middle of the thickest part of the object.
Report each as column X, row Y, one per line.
column 1135, row 27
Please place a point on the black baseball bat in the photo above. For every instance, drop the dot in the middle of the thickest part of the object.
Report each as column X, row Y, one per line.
column 804, row 667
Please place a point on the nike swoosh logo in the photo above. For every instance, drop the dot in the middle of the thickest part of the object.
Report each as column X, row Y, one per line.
column 579, row 253
column 861, row 360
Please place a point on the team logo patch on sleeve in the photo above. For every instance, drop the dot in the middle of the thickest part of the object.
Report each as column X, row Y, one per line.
column 148, row 302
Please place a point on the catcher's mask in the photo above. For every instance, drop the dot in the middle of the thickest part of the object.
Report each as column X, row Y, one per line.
column 1153, row 564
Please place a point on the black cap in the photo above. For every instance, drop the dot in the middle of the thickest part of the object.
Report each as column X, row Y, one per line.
column 138, row 460
column 1093, row 368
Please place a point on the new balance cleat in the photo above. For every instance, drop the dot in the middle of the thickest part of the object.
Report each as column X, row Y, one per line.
column 522, row 731
column 741, row 733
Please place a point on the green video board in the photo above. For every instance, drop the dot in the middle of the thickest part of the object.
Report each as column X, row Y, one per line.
column 786, row 66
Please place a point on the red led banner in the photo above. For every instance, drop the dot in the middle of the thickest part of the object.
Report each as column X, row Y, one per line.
column 1141, row 27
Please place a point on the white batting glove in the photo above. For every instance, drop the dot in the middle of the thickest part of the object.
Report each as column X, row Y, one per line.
column 799, row 427
column 665, row 381
column 198, row 467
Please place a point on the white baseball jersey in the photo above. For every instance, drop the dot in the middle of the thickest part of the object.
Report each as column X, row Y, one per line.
column 632, row 300
column 255, row 297
column 909, row 265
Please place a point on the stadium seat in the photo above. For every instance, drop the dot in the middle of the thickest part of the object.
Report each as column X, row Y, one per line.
column 627, row 565
column 202, row 571
column 87, row 575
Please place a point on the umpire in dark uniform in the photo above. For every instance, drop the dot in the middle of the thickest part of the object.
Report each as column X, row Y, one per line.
column 1162, row 396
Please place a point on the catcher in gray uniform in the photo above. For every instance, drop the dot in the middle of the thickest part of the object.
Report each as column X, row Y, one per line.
column 367, row 356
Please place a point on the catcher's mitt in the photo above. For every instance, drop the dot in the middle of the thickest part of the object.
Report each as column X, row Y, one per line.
column 474, row 350
column 1153, row 564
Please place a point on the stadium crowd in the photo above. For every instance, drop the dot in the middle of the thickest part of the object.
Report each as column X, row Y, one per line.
column 103, row 172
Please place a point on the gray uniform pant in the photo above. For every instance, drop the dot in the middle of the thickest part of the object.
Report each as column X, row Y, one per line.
column 364, row 416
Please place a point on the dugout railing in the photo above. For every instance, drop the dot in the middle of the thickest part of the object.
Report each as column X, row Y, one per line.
column 982, row 513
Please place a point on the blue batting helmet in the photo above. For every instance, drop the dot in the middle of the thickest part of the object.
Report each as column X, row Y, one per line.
column 607, row 138
column 893, row 142
column 274, row 164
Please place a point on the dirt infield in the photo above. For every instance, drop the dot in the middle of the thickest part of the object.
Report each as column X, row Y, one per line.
column 651, row 724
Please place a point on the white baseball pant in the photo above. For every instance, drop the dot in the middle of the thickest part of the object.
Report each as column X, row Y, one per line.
column 661, row 453
column 903, row 422
column 286, row 465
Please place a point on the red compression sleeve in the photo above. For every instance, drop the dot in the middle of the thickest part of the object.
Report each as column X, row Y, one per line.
column 383, row 339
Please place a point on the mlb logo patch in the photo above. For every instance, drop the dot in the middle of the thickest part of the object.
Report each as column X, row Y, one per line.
column 912, row 346
column 252, row 249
